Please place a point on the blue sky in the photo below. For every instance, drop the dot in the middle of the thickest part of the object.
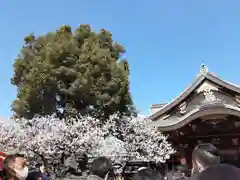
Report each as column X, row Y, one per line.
column 166, row 40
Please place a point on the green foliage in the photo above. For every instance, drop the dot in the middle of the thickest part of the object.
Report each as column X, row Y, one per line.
column 81, row 71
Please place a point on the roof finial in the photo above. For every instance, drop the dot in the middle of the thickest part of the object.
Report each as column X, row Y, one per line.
column 204, row 69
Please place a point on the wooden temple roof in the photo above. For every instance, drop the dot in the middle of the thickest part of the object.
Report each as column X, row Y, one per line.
column 166, row 120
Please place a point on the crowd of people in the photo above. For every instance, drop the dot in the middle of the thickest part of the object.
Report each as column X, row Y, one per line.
column 206, row 165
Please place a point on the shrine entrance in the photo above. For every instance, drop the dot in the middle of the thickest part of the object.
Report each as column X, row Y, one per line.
column 207, row 111
column 223, row 131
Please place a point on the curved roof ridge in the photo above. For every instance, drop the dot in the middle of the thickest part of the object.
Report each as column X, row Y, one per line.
column 223, row 83
column 200, row 78
column 179, row 98
column 158, row 105
column 216, row 76
column 194, row 114
column 185, row 89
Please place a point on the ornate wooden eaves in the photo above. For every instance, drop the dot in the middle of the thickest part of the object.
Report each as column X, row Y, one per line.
column 206, row 84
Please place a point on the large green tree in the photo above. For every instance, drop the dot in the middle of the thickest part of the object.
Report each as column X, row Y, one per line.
column 83, row 71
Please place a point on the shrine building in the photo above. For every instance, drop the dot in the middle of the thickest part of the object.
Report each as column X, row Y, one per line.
column 207, row 111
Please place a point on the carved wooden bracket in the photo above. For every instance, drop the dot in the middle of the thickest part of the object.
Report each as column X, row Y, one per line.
column 237, row 98
column 209, row 95
column 183, row 108
column 208, row 89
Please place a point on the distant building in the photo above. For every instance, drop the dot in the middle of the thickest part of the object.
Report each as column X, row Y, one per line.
column 207, row 111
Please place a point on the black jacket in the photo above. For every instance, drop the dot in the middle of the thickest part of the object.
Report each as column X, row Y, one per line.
column 34, row 175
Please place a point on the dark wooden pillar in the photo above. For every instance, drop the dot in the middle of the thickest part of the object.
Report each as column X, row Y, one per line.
column 188, row 155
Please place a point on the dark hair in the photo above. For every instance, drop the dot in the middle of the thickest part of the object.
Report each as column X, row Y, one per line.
column 101, row 166
column 147, row 174
column 9, row 159
column 34, row 175
column 38, row 165
column 220, row 172
column 19, row 155
column 82, row 160
column 206, row 155
column 7, row 171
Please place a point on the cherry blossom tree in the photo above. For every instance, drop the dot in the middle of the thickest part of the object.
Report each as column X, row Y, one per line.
column 121, row 138
column 135, row 139
column 8, row 139
column 50, row 137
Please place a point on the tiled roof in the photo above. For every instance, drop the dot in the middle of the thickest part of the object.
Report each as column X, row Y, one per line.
column 204, row 75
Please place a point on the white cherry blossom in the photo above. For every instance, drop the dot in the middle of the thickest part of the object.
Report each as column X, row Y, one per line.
column 138, row 140
column 120, row 138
